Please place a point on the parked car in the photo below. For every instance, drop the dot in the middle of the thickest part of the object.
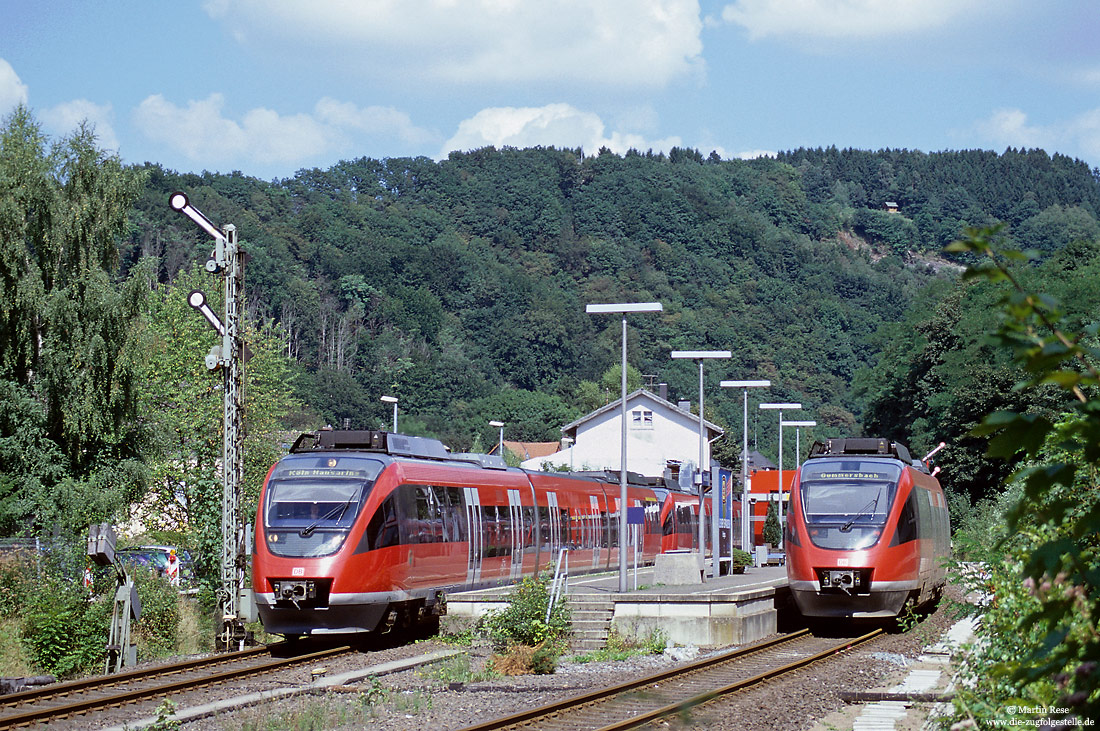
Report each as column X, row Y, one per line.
column 155, row 558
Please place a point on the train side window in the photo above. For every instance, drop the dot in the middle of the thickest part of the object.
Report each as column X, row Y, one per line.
column 544, row 527
column 924, row 507
column 528, row 527
column 382, row 530
column 490, row 528
column 566, row 528
column 907, row 521
column 504, row 531
column 684, row 520
column 429, row 516
column 456, row 518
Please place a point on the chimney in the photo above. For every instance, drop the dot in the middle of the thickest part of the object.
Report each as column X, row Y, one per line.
column 662, row 390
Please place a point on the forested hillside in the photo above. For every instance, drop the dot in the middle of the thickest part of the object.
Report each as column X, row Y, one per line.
column 459, row 286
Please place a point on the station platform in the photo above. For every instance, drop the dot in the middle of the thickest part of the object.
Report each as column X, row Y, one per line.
column 725, row 610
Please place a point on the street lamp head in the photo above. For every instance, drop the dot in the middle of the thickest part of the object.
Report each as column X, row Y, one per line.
column 745, row 384
column 624, row 307
column 781, row 407
column 496, row 423
column 697, row 354
column 389, row 399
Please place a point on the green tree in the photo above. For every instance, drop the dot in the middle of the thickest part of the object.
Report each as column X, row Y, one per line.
column 71, row 337
column 773, row 532
column 1045, row 579
column 183, row 401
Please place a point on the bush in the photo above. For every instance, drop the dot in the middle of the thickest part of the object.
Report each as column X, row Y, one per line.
column 741, row 558
column 157, row 632
column 619, row 648
column 526, row 660
column 523, row 621
column 17, row 581
column 64, row 631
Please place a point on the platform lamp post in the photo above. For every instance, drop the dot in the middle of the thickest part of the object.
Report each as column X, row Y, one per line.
column 500, row 443
column 392, row 400
column 624, row 309
column 746, row 518
column 797, row 438
column 702, row 355
column 781, row 408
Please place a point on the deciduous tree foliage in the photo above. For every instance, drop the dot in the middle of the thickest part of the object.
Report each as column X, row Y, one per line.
column 70, row 331
column 1040, row 643
column 183, row 403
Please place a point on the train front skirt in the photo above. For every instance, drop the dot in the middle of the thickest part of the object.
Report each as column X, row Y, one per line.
column 885, row 599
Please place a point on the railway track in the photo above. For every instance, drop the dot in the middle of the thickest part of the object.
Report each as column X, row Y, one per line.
column 51, row 703
column 640, row 701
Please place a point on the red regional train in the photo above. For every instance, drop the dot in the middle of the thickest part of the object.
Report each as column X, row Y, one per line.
column 364, row 531
column 867, row 531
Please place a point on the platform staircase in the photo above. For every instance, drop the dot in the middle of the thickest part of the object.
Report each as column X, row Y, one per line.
column 592, row 615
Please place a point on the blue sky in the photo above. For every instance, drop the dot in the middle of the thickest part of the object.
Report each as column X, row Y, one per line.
column 269, row 87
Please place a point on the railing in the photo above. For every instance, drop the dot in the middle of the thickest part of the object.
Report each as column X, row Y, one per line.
column 561, row 581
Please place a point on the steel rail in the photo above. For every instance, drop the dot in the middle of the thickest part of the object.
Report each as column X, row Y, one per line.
column 81, row 706
column 75, row 686
column 556, row 711
column 701, row 698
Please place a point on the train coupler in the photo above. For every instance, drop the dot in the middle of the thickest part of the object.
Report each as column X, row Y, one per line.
column 846, row 580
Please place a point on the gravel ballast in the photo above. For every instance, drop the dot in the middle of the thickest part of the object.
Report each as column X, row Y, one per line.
column 449, row 695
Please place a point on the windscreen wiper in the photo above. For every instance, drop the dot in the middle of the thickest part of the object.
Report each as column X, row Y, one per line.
column 862, row 511
column 308, row 530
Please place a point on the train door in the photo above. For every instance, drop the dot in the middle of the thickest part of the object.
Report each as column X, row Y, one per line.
column 610, row 524
column 555, row 524
column 476, row 550
column 594, row 529
column 515, row 511
column 651, row 543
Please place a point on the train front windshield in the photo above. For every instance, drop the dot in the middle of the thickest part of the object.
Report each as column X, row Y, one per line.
column 313, row 500
column 845, row 502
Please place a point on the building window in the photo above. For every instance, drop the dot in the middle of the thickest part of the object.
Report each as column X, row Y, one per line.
column 642, row 418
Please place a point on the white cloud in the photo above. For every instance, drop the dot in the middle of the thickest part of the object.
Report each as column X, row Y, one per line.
column 202, row 132
column 64, row 119
column 842, row 18
column 204, row 135
column 608, row 42
column 13, row 91
column 372, row 120
column 1077, row 137
column 754, row 154
column 557, row 125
